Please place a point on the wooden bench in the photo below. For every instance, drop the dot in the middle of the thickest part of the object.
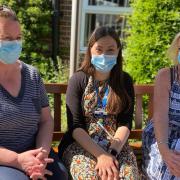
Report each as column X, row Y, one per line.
column 139, row 114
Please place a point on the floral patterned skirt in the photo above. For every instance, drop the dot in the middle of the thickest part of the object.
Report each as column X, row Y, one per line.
column 81, row 163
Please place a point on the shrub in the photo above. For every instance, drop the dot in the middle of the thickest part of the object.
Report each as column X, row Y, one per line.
column 153, row 26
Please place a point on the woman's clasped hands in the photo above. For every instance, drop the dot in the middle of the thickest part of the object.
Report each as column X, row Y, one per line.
column 33, row 163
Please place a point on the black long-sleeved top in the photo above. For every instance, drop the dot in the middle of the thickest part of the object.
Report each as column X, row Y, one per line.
column 75, row 116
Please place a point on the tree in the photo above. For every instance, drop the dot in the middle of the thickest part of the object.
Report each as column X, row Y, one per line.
column 154, row 24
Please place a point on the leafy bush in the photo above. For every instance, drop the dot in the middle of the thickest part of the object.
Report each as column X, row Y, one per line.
column 153, row 26
column 48, row 73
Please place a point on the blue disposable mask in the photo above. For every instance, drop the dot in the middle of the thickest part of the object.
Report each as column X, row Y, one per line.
column 178, row 56
column 104, row 63
column 10, row 51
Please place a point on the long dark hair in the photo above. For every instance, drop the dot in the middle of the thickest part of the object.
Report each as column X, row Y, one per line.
column 118, row 98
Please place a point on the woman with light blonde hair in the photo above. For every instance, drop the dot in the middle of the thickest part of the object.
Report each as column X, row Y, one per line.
column 161, row 137
column 173, row 51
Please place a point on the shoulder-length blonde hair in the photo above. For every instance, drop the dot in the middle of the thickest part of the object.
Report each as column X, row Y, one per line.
column 118, row 97
column 172, row 52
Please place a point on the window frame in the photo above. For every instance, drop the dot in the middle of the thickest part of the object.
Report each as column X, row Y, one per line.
column 94, row 9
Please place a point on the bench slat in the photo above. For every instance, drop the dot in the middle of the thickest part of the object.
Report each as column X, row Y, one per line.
column 56, row 88
column 150, row 106
column 138, row 112
column 57, row 135
column 57, row 112
column 136, row 134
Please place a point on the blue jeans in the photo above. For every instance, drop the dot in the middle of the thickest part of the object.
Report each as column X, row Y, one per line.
column 8, row 173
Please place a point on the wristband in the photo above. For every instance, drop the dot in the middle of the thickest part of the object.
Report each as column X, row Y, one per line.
column 113, row 152
column 162, row 142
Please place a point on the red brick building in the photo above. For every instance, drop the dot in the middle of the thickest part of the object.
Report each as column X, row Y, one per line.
column 65, row 29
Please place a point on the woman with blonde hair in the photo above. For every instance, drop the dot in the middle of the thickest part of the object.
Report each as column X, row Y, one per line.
column 174, row 49
column 161, row 137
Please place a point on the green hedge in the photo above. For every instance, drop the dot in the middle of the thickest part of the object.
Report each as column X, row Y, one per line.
column 154, row 24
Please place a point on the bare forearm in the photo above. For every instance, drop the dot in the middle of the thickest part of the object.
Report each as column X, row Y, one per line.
column 87, row 143
column 120, row 138
column 44, row 137
column 8, row 158
column 161, row 108
column 161, row 133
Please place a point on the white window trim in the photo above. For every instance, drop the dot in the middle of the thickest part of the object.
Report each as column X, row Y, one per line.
column 89, row 9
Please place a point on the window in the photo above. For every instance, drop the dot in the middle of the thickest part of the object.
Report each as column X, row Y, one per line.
column 96, row 13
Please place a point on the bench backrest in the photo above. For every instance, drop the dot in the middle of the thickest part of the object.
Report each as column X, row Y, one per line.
column 139, row 111
column 140, row 90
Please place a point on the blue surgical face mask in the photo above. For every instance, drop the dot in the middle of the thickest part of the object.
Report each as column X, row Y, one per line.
column 10, row 51
column 104, row 63
column 179, row 56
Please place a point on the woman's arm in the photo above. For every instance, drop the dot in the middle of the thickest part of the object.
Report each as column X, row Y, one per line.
column 27, row 160
column 22, row 161
column 46, row 124
column 120, row 138
column 45, row 133
column 11, row 160
column 161, row 107
column 124, row 118
column 161, row 121
column 81, row 136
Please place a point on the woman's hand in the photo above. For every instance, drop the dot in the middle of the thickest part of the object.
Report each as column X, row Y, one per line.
column 107, row 167
column 39, row 171
column 27, row 159
column 172, row 160
column 33, row 162
column 43, row 157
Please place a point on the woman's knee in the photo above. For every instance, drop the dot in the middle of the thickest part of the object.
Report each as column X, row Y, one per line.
column 8, row 173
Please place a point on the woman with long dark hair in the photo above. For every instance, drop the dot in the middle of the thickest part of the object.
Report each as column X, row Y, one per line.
column 100, row 103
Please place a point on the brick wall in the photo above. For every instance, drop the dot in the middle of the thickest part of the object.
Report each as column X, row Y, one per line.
column 65, row 29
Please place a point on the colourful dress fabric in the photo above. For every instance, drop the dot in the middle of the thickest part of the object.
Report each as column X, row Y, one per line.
column 153, row 166
column 81, row 163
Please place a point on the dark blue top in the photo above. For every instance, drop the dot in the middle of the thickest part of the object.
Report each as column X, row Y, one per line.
column 20, row 116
